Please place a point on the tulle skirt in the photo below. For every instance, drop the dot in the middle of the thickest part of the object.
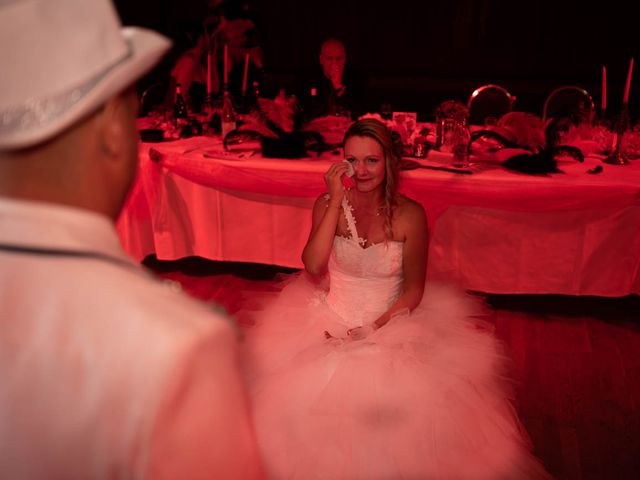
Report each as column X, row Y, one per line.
column 425, row 397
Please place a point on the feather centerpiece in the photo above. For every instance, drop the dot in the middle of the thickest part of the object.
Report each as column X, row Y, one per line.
column 279, row 112
column 275, row 124
column 527, row 131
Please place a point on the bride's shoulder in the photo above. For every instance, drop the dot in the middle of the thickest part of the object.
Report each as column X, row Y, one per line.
column 410, row 220
column 321, row 202
column 322, row 199
column 409, row 208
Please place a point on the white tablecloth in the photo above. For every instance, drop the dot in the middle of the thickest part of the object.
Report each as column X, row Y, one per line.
column 494, row 231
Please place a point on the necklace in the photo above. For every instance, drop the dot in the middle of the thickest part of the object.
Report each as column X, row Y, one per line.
column 367, row 209
column 378, row 211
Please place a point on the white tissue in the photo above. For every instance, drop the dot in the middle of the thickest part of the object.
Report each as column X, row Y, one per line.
column 350, row 172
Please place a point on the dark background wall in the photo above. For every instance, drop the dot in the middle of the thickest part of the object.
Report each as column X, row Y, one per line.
column 417, row 53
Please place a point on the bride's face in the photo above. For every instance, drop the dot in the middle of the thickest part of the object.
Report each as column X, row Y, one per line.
column 367, row 157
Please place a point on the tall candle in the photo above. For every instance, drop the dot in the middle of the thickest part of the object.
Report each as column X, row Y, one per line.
column 604, row 89
column 225, row 65
column 246, row 74
column 209, row 72
column 627, row 87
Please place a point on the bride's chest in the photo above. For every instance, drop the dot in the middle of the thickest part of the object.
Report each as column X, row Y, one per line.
column 369, row 229
column 382, row 259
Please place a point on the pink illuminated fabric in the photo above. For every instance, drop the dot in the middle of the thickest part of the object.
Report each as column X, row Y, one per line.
column 410, row 401
column 495, row 230
column 107, row 372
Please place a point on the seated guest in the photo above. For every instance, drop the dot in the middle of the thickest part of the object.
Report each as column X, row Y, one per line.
column 334, row 88
column 104, row 371
column 238, row 30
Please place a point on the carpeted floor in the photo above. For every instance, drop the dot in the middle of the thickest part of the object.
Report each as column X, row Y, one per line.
column 577, row 365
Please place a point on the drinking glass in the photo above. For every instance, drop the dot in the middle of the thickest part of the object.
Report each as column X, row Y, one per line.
column 342, row 116
column 447, row 133
column 461, row 141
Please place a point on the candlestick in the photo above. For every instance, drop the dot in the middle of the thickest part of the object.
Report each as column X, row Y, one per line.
column 226, row 66
column 209, row 72
column 245, row 74
column 604, row 89
column 627, row 87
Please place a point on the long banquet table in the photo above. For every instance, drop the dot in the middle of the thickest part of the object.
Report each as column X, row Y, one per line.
column 494, row 230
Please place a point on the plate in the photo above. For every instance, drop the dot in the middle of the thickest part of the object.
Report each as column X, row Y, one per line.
column 222, row 154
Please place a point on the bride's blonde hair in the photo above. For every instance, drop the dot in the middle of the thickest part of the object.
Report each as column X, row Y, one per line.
column 375, row 129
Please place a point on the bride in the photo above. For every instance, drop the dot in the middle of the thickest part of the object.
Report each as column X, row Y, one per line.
column 356, row 370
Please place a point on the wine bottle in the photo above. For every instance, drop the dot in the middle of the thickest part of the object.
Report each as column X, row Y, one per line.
column 228, row 119
column 180, row 106
column 620, row 126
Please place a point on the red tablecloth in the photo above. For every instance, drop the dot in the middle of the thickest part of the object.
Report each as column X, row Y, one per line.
column 495, row 230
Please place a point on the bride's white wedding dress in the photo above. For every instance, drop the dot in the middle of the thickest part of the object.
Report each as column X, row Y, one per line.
column 424, row 397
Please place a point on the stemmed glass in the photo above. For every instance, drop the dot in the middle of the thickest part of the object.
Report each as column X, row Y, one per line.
column 342, row 115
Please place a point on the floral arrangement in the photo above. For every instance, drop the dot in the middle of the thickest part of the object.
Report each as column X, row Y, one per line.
column 416, row 135
column 631, row 143
column 591, row 138
column 452, row 109
column 376, row 116
column 603, row 138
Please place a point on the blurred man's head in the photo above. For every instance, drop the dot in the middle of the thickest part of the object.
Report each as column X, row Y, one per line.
column 333, row 57
column 67, row 101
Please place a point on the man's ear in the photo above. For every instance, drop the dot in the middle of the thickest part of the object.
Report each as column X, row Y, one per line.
column 112, row 126
column 114, row 150
column 109, row 127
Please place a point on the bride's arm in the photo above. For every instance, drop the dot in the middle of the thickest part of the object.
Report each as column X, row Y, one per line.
column 413, row 223
column 326, row 213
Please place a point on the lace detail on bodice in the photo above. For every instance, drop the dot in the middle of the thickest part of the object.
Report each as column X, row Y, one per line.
column 351, row 222
column 364, row 282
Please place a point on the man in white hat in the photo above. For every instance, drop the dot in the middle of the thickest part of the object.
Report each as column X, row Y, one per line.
column 104, row 371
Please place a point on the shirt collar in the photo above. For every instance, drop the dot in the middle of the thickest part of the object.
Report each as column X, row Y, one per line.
column 53, row 226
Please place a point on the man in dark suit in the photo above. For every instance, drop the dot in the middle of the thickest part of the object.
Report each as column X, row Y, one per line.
column 333, row 89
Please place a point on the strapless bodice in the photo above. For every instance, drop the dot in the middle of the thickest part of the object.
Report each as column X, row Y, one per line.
column 364, row 282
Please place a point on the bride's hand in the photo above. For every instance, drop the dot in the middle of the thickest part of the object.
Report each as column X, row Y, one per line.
column 332, row 339
column 360, row 333
column 333, row 179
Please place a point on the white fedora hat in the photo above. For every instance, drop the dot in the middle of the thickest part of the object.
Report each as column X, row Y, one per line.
column 61, row 60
